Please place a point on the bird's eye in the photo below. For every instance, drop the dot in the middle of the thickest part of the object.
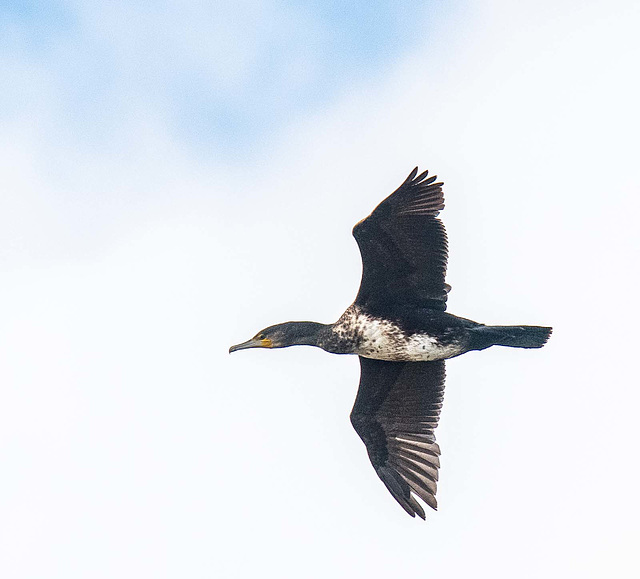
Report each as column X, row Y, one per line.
column 261, row 337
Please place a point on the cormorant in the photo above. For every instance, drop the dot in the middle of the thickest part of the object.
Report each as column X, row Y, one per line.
column 400, row 331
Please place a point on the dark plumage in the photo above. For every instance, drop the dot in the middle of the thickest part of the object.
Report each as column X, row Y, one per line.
column 399, row 328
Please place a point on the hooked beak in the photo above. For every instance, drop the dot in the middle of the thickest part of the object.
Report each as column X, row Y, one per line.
column 252, row 343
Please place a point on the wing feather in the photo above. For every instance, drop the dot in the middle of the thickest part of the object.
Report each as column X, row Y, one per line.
column 404, row 248
column 395, row 413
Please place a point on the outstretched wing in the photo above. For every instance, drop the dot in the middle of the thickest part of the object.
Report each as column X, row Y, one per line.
column 395, row 413
column 404, row 248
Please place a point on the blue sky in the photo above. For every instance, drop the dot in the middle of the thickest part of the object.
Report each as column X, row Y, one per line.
column 223, row 76
column 175, row 178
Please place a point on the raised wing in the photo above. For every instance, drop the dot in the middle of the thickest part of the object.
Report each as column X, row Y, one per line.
column 404, row 248
column 395, row 413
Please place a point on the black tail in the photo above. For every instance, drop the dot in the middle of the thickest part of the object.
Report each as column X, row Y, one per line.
column 512, row 336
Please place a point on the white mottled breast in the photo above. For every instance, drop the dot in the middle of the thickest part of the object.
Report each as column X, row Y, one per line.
column 384, row 340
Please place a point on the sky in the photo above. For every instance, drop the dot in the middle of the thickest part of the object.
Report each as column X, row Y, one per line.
column 176, row 177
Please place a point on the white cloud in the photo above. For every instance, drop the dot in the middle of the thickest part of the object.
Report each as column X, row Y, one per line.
column 133, row 443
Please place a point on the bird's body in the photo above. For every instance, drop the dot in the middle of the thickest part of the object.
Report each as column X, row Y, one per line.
column 432, row 336
column 402, row 334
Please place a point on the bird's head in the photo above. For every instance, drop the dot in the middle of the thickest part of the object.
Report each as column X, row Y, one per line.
column 283, row 335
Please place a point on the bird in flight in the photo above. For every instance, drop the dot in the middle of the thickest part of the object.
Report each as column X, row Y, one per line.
column 400, row 330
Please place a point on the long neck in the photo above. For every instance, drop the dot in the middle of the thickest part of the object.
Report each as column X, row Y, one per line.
column 306, row 333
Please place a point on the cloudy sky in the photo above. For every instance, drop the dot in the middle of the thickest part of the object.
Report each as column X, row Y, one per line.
column 176, row 176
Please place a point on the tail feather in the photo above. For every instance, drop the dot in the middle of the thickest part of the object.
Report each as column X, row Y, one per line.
column 512, row 336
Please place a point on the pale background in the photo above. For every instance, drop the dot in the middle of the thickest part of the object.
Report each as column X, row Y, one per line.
column 176, row 177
